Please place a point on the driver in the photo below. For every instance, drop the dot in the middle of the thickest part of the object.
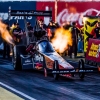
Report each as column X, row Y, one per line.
column 40, row 30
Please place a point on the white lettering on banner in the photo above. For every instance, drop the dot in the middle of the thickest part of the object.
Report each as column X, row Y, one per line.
column 4, row 16
column 65, row 16
column 20, row 17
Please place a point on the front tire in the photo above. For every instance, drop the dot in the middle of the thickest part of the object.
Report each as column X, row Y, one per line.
column 81, row 67
column 56, row 67
column 44, row 67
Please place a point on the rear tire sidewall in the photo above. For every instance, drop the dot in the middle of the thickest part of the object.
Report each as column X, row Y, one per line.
column 16, row 59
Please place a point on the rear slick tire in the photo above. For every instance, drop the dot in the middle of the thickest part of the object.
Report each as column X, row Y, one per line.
column 16, row 59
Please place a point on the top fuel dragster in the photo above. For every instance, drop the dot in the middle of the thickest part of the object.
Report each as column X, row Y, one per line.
column 41, row 55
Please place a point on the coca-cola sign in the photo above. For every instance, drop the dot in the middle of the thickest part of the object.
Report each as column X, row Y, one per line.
column 66, row 16
column 71, row 11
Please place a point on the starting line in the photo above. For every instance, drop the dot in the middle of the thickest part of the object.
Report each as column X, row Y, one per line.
column 14, row 90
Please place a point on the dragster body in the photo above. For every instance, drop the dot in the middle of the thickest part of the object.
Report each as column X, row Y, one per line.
column 42, row 56
column 45, row 51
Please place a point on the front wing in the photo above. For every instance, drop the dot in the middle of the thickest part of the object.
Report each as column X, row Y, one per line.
column 67, row 71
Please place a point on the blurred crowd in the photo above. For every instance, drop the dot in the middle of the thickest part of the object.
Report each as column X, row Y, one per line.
column 41, row 30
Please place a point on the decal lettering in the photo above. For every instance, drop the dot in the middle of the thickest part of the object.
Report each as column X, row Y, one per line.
column 85, row 70
column 65, row 16
column 94, row 47
column 94, row 50
column 71, row 71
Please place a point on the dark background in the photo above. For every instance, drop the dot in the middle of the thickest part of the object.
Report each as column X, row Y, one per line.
column 17, row 5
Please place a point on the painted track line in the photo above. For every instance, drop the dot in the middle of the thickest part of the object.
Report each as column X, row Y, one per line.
column 16, row 91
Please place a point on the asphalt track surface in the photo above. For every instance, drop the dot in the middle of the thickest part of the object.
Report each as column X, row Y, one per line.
column 32, row 85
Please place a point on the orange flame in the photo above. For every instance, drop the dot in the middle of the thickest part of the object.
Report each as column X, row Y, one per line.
column 61, row 40
column 5, row 33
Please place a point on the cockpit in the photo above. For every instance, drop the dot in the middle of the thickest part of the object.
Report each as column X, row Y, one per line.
column 45, row 47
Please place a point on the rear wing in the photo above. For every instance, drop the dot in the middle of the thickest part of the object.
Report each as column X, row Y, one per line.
column 29, row 13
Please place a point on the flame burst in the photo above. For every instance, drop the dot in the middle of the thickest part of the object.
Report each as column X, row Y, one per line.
column 5, row 33
column 61, row 40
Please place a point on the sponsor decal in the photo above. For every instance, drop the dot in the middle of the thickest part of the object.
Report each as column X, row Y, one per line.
column 73, row 71
column 65, row 15
column 27, row 61
column 38, row 58
column 28, row 64
column 70, row 11
column 94, row 50
column 49, row 62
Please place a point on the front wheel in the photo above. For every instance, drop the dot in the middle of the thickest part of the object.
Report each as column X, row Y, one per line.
column 56, row 67
column 81, row 67
column 45, row 67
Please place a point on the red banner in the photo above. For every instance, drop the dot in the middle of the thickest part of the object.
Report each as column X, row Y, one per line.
column 71, row 11
column 93, row 51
